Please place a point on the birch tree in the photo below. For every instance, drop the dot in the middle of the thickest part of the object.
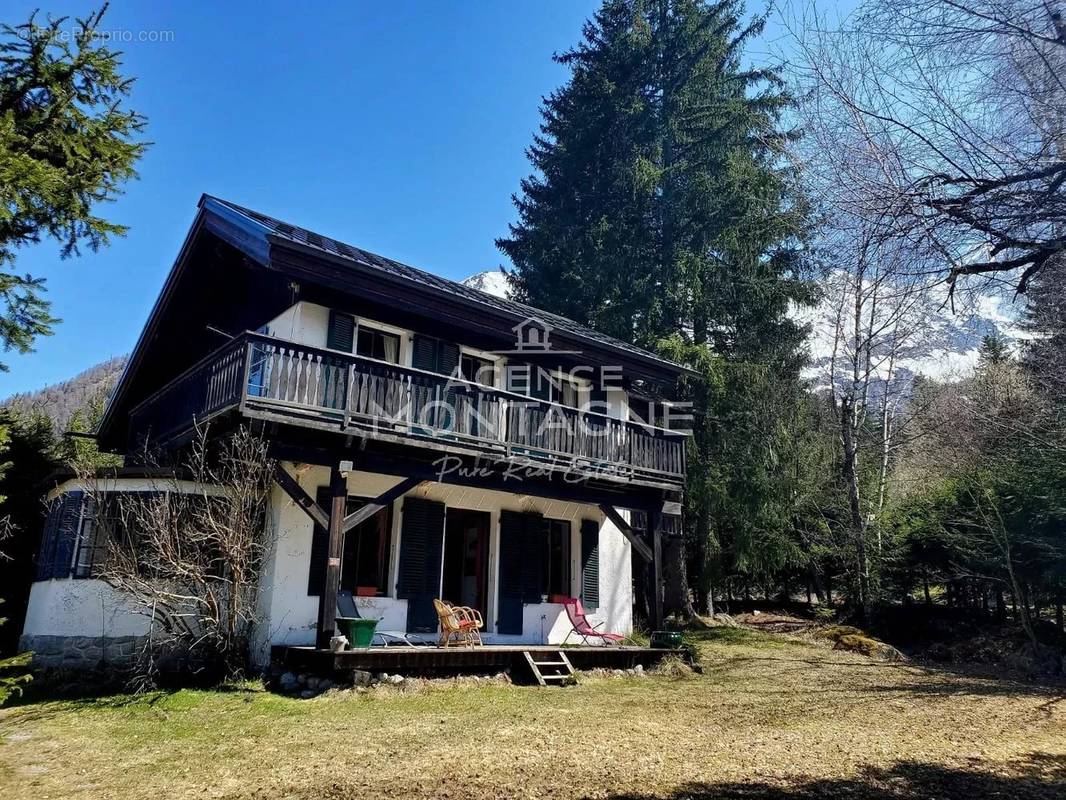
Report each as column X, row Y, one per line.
column 962, row 103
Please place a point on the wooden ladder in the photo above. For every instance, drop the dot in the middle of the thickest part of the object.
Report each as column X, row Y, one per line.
column 561, row 671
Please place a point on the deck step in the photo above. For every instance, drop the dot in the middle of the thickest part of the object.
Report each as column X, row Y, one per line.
column 563, row 669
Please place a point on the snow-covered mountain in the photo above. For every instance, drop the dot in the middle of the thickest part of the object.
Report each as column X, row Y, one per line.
column 915, row 330
column 494, row 282
column 941, row 344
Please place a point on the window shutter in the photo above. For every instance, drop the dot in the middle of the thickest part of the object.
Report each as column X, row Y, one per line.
column 46, row 555
column 421, row 543
column 590, row 564
column 67, row 534
column 341, row 333
column 535, row 544
column 316, row 574
column 512, row 537
column 434, row 355
column 447, row 358
column 424, row 353
column 89, row 534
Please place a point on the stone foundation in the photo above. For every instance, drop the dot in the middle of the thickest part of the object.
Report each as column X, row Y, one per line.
column 78, row 653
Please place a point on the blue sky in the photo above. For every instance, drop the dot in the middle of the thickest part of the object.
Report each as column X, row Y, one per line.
column 399, row 127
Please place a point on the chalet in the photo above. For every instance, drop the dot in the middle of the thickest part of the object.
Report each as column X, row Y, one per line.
column 407, row 400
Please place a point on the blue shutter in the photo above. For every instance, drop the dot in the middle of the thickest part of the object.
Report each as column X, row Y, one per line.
column 67, row 534
column 341, row 332
column 534, row 547
column 590, row 564
column 424, row 353
column 46, row 554
column 421, row 543
column 447, row 357
column 512, row 537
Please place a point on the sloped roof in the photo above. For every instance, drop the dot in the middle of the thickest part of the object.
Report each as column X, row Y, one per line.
column 520, row 311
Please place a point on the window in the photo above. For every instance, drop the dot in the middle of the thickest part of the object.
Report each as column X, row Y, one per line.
column 91, row 541
column 365, row 558
column 555, row 572
column 541, row 384
column 365, row 553
column 518, row 378
column 377, row 344
column 565, row 392
column 477, row 370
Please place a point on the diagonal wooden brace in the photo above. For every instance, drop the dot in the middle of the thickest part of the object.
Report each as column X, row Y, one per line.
column 634, row 538
column 295, row 491
column 379, row 502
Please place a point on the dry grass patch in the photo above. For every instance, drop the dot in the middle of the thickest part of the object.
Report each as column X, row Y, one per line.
column 771, row 717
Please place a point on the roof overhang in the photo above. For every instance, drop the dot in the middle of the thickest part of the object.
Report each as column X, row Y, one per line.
column 306, row 263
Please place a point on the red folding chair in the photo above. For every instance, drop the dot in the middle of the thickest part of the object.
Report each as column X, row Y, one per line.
column 586, row 630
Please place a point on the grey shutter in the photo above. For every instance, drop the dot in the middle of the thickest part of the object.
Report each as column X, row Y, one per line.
column 421, row 542
column 46, row 554
column 316, row 573
column 590, row 564
column 341, row 332
column 424, row 353
column 67, row 534
column 512, row 538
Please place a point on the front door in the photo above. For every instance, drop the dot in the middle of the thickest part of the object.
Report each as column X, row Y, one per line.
column 466, row 555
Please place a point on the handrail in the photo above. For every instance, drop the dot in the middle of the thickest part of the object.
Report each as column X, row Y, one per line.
column 263, row 373
column 452, row 380
column 213, row 355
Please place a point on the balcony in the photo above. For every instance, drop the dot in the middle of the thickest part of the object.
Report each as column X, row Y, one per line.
column 268, row 378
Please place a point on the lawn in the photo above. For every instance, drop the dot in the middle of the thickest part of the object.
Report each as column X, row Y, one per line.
column 770, row 718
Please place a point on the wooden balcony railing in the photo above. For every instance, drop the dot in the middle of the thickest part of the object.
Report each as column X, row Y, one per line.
column 325, row 388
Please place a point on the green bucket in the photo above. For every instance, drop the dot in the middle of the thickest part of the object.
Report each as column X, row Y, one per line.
column 360, row 632
column 666, row 640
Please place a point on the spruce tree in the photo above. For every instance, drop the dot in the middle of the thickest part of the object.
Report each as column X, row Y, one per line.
column 67, row 144
column 659, row 212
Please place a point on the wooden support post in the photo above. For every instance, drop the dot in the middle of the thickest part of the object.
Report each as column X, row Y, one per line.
column 655, row 527
column 327, row 603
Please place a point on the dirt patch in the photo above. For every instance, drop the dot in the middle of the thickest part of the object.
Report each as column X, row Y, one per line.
column 773, row 622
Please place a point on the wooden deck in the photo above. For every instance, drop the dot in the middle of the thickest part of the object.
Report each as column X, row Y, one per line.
column 440, row 661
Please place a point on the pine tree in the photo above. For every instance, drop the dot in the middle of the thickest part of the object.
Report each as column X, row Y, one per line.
column 67, row 144
column 659, row 212
column 1045, row 352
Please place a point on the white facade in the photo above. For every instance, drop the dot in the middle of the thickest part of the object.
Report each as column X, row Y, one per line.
column 289, row 615
column 308, row 323
column 83, row 608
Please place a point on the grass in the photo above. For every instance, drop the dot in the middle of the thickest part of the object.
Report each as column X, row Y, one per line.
column 771, row 717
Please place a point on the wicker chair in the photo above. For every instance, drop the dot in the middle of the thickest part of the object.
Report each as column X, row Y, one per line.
column 459, row 625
